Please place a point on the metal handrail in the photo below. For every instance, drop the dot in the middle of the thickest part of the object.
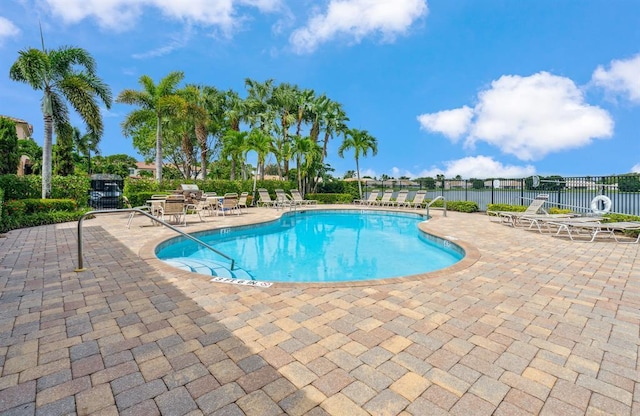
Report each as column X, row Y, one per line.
column 434, row 200
column 133, row 210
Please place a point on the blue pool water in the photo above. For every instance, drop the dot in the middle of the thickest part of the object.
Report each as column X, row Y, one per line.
column 318, row 246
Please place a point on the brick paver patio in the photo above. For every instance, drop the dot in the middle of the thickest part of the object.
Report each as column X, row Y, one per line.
column 528, row 324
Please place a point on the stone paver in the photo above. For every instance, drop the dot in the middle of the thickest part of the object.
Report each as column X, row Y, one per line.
column 526, row 324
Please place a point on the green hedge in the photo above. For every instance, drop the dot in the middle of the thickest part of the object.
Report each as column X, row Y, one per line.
column 460, row 206
column 30, row 186
column 31, row 212
column 40, row 218
column 221, row 187
column 331, row 198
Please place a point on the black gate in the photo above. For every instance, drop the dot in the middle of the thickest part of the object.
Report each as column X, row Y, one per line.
column 106, row 191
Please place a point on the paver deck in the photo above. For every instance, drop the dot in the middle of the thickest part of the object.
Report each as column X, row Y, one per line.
column 529, row 324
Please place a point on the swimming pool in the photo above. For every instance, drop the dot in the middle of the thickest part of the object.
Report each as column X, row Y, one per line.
column 318, row 246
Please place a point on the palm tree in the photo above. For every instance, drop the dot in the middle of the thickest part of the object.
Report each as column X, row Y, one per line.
column 334, row 121
column 234, row 146
column 259, row 142
column 63, row 151
column 85, row 144
column 206, row 109
column 156, row 102
column 64, row 75
column 361, row 142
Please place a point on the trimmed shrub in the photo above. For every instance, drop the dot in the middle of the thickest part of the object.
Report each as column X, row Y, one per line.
column 331, row 198
column 221, row 187
column 506, row 207
column 460, row 206
column 31, row 212
column 14, row 208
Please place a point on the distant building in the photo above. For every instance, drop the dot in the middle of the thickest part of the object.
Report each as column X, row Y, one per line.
column 142, row 167
column 24, row 130
column 151, row 167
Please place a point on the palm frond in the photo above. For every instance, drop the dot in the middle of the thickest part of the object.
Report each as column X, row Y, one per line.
column 31, row 67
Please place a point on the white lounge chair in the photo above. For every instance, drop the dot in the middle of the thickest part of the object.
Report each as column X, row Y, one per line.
column 297, row 197
column 371, row 199
column 265, row 199
column 418, row 199
column 386, row 198
column 511, row 217
column 401, row 199
column 242, row 201
column 284, row 200
column 592, row 229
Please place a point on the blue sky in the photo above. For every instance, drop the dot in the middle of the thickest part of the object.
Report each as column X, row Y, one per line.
column 493, row 88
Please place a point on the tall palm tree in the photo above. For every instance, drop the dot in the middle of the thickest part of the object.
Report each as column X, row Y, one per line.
column 334, row 121
column 156, row 102
column 259, row 142
column 361, row 142
column 234, row 146
column 85, row 144
column 308, row 156
column 235, row 109
column 64, row 75
column 206, row 110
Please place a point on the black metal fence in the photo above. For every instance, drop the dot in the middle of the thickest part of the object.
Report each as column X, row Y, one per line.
column 575, row 193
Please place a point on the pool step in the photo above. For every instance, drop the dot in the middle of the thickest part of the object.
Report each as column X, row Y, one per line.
column 208, row 267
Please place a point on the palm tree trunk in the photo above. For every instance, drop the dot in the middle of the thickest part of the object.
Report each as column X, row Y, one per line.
column 187, row 148
column 359, row 183
column 159, row 150
column 202, row 141
column 46, row 156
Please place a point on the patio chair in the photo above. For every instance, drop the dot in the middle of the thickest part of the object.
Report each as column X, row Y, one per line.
column 373, row 197
column 265, row 199
column 175, row 209
column 401, row 199
column 418, row 199
column 198, row 207
column 297, row 197
column 127, row 204
column 229, row 204
column 594, row 228
column 386, row 198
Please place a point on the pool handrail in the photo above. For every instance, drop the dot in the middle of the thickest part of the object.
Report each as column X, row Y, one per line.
column 156, row 219
column 434, row 200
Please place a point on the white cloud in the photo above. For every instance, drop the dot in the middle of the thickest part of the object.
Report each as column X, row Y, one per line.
column 623, row 76
column 122, row 14
column 368, row 172
column 636, row 168
column 451, row 123
column 7, row 29
column 177, row 41
column 356, row 19
column 480, row 167
column 528, row 117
